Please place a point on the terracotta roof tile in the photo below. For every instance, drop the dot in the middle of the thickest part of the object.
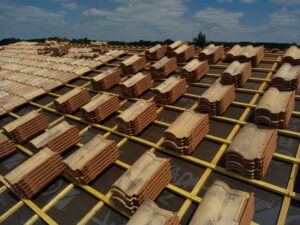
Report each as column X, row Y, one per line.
column 183, row 53
column 89, row 161
column 133, row 64
column 175, row 45
column 223, row 205
column 236, row 73
column 170, row 90
column 248, row 53
column 136, row 85
column 156, row 52
column 57, row 138
column 251, row 151
column 106, row 80
column 275, row 108
column 100, row 108
column 26, row 127
column 194, row 70
column 6, row 146
column 31, row 176
column 212, row 53
column 145, row 179
column 149, row 213
column 163, row 67
column 72, row 100
column 286, row 78
column 216, row 99
column 186, row 132
column 292, row 56
column 134, row 119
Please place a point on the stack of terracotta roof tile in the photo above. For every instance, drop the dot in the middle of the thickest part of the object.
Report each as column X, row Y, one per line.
column 163, row 67
column 134, row 119
column 58, row 138
column 287, row 78
column 145, row 179
column 186, row 132
column 26, row 127
column 251, row 151
column 246, row 54
column 236, row 73
column 6, row 146
column 72, row 100
column 31, row 176
column 184, row 53
column 84, row 165
column 136, row 85
column 150, row 213
column 233, row 53
column 275, row 108
column 173, row 46
column 194, row 70
column 223, row 205
column 292, row 56
column 106, row 80
column 170, row 90
column 156, row 52
column 252, row 54
column 100, row 108
column 216, row 99
column 212, row 53
column 133, row 64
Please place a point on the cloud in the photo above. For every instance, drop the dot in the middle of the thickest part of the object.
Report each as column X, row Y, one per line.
column 241, row 1
column 281, row 26
column 285, row 2
column 160, row 19
column 248, row 1
column 220, row 24
column 283, row 17
column 130, row 20
column 22, row 21
column 70, row 5
column 31, row 14
column 225, row 1
column 219, row 17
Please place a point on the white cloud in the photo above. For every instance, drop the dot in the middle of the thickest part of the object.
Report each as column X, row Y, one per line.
column 283, row 17
column 31, row 14
column 241, row 1
column 222, row 25
column 282, row 26
column 23, row 21
column 285, row 2
column 148, row 20
column 219, row 17
column 225, row 1
column 248, row 1
column 160, row 19
column 70, row 5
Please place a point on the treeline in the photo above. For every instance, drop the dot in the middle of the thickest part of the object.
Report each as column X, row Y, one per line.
column 7, row 41
column 268, row 45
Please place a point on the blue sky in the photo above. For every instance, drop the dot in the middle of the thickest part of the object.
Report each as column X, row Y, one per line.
column 130, row 20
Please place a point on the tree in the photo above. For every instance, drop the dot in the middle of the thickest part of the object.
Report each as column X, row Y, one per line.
column 200, row 40
column 168, row 41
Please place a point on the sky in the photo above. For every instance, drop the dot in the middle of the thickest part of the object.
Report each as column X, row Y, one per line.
column 133, row 20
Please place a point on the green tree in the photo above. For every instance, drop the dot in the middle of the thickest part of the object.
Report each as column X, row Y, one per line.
column 200, row 40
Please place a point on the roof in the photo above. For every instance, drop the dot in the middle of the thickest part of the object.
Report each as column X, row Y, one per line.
column 277, row 184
